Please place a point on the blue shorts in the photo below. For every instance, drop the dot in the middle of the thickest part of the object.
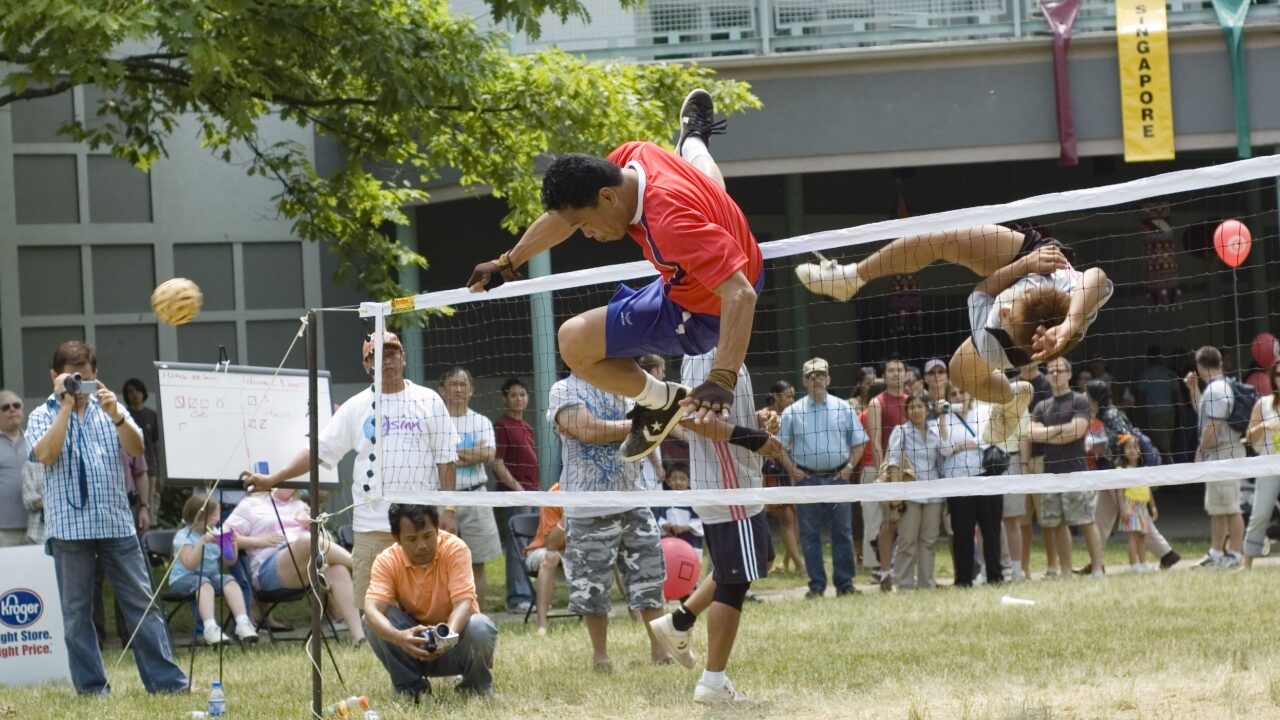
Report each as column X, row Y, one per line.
column 268, row 577
column 188, row 583
column 644, row 321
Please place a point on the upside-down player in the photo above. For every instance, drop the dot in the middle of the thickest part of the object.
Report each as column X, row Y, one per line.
column 1030, row 307
column 676, row 208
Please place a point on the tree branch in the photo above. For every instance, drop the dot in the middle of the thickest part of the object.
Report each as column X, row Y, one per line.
column 33, row 93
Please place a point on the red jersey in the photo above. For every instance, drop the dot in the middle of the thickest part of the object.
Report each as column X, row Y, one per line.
column 893, row 412
column 689, row 228
column 515, row 449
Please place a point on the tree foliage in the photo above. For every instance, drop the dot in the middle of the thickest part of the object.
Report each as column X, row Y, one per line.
column 407, row 88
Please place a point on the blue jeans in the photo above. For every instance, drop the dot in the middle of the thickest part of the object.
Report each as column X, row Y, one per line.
column 838, row 518
column 125, row 567
column 519, row 589
column 472, row 657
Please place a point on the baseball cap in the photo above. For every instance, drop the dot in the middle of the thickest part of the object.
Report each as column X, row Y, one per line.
column 388, row 338
column 934, row 363
column 816, row 365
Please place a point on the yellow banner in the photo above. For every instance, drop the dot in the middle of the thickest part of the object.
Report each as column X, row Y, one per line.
column 1146, row 94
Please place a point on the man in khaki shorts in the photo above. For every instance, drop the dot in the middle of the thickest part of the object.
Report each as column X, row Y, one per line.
column 477, row 446
column 1060, row 423
column 418, row 452
column 1218, row 442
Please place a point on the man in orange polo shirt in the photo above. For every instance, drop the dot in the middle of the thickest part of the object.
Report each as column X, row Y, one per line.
column 423, row 580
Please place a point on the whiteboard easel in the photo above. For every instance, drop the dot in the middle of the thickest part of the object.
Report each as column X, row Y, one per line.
column 220, row 420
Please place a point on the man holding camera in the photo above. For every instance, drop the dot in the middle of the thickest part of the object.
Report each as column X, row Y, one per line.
column 78, row 434
column 417, row 585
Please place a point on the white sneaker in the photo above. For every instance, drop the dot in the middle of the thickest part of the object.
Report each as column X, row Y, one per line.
column 214, row 636
column 1017, row 575
column 674, row 641
column 830, row 278
column 1098, row 575
column 246, row 632
column 1005, row 418
column 704, row 694
column 1231, row 560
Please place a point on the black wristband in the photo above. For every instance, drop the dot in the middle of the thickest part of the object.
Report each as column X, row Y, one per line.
column 749, row 438
column 119, row 422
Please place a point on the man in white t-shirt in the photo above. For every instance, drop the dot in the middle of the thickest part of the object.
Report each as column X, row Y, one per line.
column 477, row 446
column 1218, row 442
column 419, row 455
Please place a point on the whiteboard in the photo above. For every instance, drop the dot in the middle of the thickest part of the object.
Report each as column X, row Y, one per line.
column 220, row 422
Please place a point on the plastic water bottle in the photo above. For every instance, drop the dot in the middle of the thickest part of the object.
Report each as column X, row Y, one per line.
column 348, row 707
column 372, row 715
column 196, row 715
column 217, row 701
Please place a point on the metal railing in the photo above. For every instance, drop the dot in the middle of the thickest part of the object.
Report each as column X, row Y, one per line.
column 678, row 29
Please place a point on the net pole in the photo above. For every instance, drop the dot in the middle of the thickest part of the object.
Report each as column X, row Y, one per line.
column 313, row 570
column 542, row 318
column 793, row 198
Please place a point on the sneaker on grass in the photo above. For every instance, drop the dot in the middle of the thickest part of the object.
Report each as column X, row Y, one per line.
column 650, row 427
column 676, row 642
column 725, row 694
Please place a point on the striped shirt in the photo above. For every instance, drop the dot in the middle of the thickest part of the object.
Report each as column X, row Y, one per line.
column 84, row 494
column 719, row 465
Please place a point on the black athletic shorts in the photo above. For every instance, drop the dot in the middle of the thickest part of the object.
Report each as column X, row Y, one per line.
column 1032, row 239
column 740, row 550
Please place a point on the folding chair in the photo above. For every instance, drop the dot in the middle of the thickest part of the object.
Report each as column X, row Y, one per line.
column 523, row 528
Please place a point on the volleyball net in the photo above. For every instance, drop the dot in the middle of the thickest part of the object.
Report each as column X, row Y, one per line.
column 1182, row 279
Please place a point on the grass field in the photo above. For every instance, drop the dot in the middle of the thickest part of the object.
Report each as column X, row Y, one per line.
column 1185, row 643
column 1179, row 644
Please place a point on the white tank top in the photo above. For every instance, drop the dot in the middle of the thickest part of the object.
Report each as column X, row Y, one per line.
column 1269, row 440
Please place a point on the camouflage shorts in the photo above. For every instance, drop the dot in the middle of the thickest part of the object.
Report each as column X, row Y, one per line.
column 1073, row 508
column 628, row 541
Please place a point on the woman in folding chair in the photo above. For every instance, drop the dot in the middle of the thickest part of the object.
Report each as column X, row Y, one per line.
column 544, row 559
column 274, row 530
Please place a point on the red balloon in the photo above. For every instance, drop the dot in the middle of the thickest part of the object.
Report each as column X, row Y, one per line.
column 1265, row 349
column 684, row 567
column 1232, row 241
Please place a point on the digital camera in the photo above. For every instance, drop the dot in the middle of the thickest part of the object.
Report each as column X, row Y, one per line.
column 75, row 385
column 439, row 638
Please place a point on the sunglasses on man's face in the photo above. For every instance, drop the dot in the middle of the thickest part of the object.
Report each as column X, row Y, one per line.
column 10, row 406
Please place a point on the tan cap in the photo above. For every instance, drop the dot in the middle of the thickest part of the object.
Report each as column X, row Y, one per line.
column 816, row 365
column 388, row 338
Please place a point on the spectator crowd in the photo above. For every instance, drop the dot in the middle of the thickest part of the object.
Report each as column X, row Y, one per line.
column 412, row 567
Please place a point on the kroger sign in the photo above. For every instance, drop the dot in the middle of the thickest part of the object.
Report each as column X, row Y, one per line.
column 20, row 607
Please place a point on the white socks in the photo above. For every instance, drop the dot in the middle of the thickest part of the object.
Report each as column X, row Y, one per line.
column 712, row 679
column 210, row 625
column 243, row 620
column 655, row 395
column 694, row 148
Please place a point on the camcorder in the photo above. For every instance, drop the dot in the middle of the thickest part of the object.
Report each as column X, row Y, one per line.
column 439, row 638
column 76, row 385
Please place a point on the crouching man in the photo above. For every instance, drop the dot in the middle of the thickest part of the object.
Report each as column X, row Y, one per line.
column 425, row 579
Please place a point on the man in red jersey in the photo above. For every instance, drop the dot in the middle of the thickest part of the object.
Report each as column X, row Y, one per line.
column 675, row 207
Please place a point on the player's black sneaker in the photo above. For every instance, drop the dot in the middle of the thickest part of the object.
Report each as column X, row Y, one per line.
column 650, row 427
column 698, row 117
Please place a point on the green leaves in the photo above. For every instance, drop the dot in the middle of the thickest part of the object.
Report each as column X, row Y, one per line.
column 407, row 88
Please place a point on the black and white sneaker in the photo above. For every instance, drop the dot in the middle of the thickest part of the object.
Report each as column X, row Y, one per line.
column 650, row 427
column 698, row 118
